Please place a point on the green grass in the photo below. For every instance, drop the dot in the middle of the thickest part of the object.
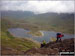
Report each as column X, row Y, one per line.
column 19, row 44
column 35, row 33
column 7, row 40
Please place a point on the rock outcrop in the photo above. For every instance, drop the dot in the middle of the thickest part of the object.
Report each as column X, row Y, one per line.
column 53, row 48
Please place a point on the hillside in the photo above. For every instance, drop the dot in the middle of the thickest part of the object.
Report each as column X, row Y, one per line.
column 13, row 45
column 66, row 45
column 16, row 14
column 51, row 48
column 47, row 21
column 55, row 22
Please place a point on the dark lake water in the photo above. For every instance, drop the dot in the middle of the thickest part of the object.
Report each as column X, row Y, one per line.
column 20, row 32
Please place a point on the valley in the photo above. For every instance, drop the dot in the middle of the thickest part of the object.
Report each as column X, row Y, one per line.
column 33, row 23
column 49, row 21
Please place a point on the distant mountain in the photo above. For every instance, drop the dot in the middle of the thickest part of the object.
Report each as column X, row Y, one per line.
column 31, row 15
column 63, row 22
column 51, row 18
column 17, row 14
column 46, row 18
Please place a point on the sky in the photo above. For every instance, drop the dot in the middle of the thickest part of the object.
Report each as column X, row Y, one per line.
column 38, row 7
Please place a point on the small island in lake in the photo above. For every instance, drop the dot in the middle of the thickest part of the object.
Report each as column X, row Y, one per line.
column 36, row 33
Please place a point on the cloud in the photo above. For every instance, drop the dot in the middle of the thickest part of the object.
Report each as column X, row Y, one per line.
column 39, row 6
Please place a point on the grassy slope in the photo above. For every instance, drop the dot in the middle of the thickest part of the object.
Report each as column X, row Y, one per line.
column 10, row 42
column 64, row 24
column 59, row 23
column 16, row 43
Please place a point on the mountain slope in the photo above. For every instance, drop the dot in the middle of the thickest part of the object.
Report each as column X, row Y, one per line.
column 12, row 45
column 62, row 22
column 17, row 14
column 66, row 45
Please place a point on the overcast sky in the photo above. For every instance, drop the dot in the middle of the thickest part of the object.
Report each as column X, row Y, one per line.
column 39, row 6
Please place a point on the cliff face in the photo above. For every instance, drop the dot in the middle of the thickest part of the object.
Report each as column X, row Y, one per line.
column 66, row 45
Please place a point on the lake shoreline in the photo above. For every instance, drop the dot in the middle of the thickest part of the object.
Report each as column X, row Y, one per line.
column 45, row 35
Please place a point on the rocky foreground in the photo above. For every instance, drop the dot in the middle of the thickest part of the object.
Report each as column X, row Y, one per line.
column 66, row 45
column 53, row 48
